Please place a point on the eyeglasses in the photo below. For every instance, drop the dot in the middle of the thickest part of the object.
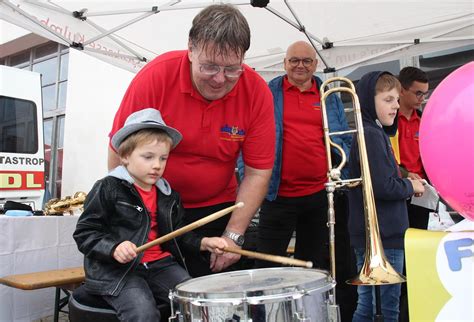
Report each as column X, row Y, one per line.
column 307, row 62
column 229, row 71
column 419, row 94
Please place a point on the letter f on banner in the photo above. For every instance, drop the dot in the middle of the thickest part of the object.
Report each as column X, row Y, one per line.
column 455, row 254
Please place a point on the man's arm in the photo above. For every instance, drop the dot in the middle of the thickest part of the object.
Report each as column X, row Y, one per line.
column 113, row 159
column 252, row 190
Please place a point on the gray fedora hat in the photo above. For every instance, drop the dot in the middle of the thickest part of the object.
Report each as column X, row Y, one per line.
column 148, row 118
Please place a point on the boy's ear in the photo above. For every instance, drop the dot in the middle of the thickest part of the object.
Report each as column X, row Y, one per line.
column 124, row 160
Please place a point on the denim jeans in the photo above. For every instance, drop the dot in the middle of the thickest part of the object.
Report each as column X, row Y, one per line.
column 389, row 294
column 145, row 287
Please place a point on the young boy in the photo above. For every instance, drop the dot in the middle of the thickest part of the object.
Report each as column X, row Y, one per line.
column 378, row 94
column 126, row 209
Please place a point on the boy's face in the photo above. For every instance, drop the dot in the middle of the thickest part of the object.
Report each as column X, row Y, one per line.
column 147, row 162
column 413, row 97
column 386, row 106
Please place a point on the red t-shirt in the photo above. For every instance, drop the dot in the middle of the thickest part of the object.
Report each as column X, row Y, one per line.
column 202, row 166
column 150, row 201
column 304, row 161
column 408, row 141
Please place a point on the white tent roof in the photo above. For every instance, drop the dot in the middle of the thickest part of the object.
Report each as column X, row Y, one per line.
column 129, row 33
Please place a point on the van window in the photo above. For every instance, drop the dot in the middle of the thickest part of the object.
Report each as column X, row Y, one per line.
column 18, row 126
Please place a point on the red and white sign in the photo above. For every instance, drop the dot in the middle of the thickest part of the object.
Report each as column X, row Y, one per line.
column 21, row 180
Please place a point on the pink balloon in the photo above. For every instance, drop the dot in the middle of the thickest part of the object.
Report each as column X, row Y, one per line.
column 447, row 139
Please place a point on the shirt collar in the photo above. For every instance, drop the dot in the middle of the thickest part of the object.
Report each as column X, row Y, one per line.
column 414, row 115
column 287, row 86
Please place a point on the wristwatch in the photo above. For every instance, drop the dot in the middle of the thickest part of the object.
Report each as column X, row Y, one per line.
column 238, row 239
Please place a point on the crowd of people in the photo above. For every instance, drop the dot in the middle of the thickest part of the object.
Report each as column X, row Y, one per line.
column 192, row 116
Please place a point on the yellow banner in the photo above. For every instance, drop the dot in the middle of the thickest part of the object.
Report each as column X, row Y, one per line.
column 440, row 275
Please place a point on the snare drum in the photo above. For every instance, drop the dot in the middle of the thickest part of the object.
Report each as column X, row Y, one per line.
column 260, row 295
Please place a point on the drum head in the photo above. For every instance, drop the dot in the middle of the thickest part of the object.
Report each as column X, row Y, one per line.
column 256, row 284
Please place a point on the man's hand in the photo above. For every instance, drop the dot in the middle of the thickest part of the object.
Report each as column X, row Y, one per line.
column 125, row 252
column 221, row 262
column 214, row 245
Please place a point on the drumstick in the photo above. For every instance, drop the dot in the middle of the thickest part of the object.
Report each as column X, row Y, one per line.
column 271, row 258
column 191, row 226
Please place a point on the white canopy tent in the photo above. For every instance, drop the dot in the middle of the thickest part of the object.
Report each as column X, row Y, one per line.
column 122, row 33
column 346, row 33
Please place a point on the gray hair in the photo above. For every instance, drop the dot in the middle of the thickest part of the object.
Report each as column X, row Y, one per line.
column 222, row 26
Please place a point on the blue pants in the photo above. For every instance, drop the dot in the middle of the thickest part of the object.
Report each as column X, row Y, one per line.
column 145, row 287
column 389, row 294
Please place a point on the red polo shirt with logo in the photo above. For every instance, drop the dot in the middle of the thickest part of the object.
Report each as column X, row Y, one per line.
column 202, row 167
column 408, row 140
column 304, row 161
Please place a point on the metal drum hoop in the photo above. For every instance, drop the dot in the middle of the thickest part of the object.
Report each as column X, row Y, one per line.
column 256, row 300
column 252, row 299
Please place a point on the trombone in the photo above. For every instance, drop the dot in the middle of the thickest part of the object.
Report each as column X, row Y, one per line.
column 376, row 269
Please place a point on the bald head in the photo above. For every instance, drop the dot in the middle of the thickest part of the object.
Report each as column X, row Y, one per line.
column 301, row 46
column 300, row 64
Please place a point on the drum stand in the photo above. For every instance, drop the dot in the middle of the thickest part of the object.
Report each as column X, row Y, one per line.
column 378, row 305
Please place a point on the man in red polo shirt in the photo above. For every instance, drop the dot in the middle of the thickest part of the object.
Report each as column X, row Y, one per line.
column 222, row 108
column 296, row 198
column 414, row 89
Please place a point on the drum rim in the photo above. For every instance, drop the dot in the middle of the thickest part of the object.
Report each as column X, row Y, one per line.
column 252, row 300
column 239, row 297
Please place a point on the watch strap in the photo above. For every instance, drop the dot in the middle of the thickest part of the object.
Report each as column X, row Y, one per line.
column 238, row 239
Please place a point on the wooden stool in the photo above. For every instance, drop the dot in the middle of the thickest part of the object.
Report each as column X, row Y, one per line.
column 65, row 280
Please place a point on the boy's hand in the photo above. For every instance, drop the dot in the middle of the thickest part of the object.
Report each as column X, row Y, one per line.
column 418, row 187
column 125, row 252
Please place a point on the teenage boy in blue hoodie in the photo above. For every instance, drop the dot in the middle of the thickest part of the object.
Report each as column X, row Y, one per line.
column 129, row 207
column 378, row 94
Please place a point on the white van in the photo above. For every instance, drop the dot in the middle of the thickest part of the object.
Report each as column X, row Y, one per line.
column 22, row 165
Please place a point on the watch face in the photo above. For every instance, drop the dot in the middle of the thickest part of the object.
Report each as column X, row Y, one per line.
column 240, row 240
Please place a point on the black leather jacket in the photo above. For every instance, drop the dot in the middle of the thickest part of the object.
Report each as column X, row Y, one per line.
column 113, row 213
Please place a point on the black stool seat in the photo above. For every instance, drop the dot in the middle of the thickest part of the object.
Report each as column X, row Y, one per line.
column 85, row 307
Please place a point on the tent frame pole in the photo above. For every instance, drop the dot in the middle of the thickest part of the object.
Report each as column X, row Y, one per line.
column 36, row 22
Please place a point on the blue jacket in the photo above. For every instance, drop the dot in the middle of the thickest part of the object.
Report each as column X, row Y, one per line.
column 390, row 190
column 337, row 122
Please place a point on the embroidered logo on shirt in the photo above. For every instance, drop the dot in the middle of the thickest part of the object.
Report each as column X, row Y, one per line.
column 317, row 106
column 232, row 133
